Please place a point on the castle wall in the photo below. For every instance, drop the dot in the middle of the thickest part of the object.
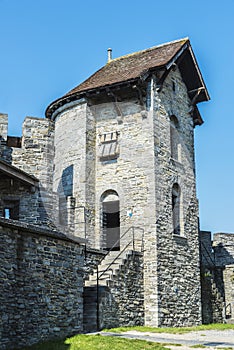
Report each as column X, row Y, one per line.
column 177, row 254
column 41, row 285
column 223, row 245
column 15, row 192
column 70, row 167
column 217, row 276
column 35, row 156
column 228, row 280
column 131, row 173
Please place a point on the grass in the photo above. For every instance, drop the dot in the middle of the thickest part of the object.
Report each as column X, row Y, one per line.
column 198, row 346
column 173, row 330
column 97, row 342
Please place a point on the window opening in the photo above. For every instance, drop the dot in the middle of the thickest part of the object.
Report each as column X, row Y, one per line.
column 174, row 138
column 176, row 209
column 7, row 213
column 173, row 86
column 11, row 210
column 108, row 148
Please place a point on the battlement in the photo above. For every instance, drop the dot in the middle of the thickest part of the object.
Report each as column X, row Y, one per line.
column 33, row 154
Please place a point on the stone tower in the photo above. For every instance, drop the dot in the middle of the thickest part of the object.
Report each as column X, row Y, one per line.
column 124, row 160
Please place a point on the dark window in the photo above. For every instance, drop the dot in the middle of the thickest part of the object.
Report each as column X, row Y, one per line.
column 176, row 209
column 11, row 210
column 175, row 137
column 173, row 86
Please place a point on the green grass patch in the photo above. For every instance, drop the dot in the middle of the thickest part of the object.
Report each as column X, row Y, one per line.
column 198, row 346
column 97, row 342
column 173, row 330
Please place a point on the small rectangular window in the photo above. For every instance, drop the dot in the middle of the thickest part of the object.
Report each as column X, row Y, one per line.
column 7, row 213
column 108, row 147
column 11, row 210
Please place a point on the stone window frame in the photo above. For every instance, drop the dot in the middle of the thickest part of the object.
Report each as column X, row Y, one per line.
column 108, row 146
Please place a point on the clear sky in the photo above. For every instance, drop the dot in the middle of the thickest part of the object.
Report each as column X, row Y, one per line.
column 50, row 46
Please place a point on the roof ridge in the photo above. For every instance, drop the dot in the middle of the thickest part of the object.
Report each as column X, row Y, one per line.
column 149, row 49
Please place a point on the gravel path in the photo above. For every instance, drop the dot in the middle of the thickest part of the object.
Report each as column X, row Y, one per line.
column 211, row 339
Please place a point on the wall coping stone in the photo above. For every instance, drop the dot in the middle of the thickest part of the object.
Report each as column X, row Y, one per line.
column 22, row 226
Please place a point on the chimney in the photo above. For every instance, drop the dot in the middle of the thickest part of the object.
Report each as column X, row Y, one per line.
column 109, row 53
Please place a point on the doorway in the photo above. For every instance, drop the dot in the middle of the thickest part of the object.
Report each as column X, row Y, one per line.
column 111, row 221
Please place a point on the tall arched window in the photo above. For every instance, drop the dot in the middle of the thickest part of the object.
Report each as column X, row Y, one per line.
column 110, row 220
column 174, row 138
column 176, row 209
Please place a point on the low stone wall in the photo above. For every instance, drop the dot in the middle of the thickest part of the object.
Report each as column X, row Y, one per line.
column 122, row 302
column 41, row 285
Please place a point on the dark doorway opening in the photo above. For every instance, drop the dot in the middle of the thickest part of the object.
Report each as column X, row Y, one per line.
column 111, row 224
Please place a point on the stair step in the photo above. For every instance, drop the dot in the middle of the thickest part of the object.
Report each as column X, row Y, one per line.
column 106, row 279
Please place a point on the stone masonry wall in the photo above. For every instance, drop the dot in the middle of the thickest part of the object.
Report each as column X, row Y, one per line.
column 35, row 156
column 69, row 179
column 223, row 245
column 122, row 302
column 142, row 174
column 217, row 259
column 28, row 199
column 177, row 254
column 131, row 174
column 92, row 258
column 228, row 278
column 41, row 285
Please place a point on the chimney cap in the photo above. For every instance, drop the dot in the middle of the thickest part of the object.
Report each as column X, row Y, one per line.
column 109, row 54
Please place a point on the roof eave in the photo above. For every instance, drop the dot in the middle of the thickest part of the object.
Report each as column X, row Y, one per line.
column 55, row 105
column 18, row 174
column 205, row 91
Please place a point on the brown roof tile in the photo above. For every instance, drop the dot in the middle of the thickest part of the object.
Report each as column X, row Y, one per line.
column 135, row 65
column 130, row 66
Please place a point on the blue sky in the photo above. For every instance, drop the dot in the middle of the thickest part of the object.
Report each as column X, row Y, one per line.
column 50, row 46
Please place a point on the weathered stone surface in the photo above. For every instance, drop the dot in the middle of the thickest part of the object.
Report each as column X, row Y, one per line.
column 41, row 286
column 217, row 258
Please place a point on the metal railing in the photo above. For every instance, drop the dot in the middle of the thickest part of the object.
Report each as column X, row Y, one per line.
column 227, row 311
column 132, row 242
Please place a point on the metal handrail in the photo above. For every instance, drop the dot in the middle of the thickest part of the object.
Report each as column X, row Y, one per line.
column 108, row 267
column 230, row 310
column 112, row 262
column 118, row 240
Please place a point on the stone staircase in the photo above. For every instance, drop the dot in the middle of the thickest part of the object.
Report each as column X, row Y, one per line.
column 107, row 271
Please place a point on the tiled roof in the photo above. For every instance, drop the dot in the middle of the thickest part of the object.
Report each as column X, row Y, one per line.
column 130, row 66
column 136, row 65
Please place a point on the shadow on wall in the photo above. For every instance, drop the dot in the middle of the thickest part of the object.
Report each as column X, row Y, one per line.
column 223, row 254
column 214, row 258
column 5, row 151
column 65, row 190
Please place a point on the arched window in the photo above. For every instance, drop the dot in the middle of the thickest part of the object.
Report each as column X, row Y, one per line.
column 174, row 138
column 110, row 220
column 176, row 209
